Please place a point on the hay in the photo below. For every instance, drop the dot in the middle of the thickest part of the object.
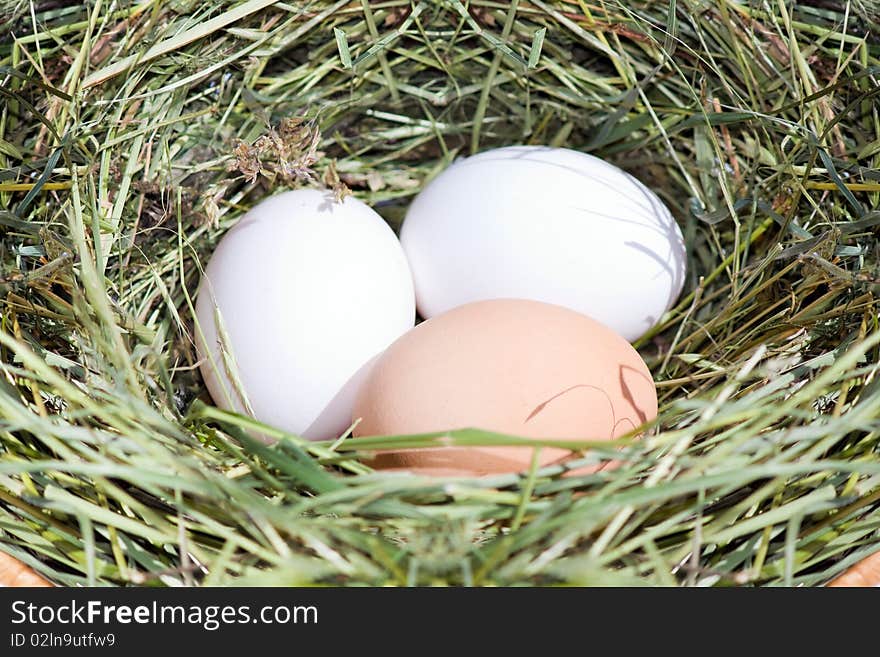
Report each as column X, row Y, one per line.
column 134, row 134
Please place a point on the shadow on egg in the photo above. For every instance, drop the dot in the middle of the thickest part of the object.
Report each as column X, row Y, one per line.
column 333, row 420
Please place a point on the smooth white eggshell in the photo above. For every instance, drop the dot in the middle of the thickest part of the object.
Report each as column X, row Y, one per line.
column 548, row 224
column 310, row 291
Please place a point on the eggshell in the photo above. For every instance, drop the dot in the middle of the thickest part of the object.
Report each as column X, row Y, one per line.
column 513, row 366
column 548, row 224
column 309, row 291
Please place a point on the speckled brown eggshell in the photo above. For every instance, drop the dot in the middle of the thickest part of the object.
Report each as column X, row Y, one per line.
column 513, row 366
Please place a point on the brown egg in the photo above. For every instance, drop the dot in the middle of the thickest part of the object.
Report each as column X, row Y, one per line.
column 518, row 367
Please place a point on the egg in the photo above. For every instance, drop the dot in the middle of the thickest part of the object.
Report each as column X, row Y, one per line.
column 513, row 366
column 549, row 224
column 307, row 291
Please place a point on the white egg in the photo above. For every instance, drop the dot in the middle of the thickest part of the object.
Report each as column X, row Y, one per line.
column 308, row 291
column 549, row 224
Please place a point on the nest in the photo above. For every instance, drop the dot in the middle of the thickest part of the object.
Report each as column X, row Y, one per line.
column 134, row 135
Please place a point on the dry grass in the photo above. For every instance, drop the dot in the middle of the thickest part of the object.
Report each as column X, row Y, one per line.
column 133, row 134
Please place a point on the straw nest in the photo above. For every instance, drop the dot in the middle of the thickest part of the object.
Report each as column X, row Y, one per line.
column 133, row 134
